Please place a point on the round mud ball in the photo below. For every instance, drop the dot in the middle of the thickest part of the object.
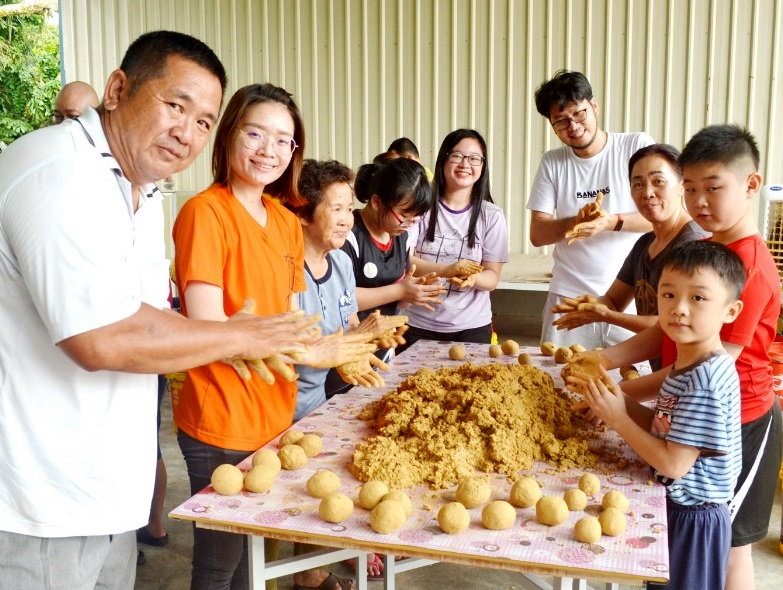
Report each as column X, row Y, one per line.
column 260, row 478
column 563, row 355
column 227, row 479
column 590, row 484
column 576, row 348
column 335, row 508
column 575, row 499
column 612, row 521
column 292, row 457
column 525, row 359
column 525, row 492
column 323, row 483
column 311, row 443
column 453, row 518
column 495, row 351
column 615, row 499
column 498, row 515
column 458, row 352
column 291, row 437
column 387, row 517
column 587, row 530
column 402, row 498
column 473, row 491
column 266, row 457
column 510, row 347
column 551, row 510
column 371, row 493
column 548, row 348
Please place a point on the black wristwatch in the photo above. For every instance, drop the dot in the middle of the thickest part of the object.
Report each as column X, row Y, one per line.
column 619, row 225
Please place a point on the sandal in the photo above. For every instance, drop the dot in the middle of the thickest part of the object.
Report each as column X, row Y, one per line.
column 143, row 536
column 331, row 582
column 376, row 561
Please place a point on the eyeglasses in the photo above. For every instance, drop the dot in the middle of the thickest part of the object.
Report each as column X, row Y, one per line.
column 564, row 124
column 257, row 139
column 473, row 159
column 404, row 222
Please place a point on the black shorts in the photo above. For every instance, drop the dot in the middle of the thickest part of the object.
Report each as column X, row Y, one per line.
column 751, row 522
column 480, row 335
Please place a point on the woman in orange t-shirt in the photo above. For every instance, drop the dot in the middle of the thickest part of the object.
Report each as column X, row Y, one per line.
column 236, row 241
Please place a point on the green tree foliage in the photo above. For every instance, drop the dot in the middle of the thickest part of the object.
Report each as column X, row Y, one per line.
column 29, row 73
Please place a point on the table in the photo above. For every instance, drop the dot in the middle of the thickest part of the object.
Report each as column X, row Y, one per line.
column 287, row 512
column 526, row 272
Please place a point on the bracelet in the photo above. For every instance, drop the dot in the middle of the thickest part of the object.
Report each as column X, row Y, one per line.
column 619, row 225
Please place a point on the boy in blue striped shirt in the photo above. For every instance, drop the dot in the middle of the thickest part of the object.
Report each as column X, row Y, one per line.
column 692, row 439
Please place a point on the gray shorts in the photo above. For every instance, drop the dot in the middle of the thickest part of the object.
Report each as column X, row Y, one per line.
column 68, row 563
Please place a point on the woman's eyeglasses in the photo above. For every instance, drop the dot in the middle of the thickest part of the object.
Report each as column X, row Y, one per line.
column 257, row 139
column 473, row 159
column 404, row 222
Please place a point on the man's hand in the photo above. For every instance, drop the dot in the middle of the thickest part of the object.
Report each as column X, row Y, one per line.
column 603, row 222
column 590, row 220
column 287, row 333
column 591, row 210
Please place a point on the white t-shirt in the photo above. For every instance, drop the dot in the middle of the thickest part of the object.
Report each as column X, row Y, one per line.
column 565, row 183
column 77, row 448
column 462, row 309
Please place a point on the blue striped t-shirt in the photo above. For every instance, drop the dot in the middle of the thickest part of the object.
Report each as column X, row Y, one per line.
column 699, row 406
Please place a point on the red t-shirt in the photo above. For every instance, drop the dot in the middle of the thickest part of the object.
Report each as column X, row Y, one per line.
column 754, row 328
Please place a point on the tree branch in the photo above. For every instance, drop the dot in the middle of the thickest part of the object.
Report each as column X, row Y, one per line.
column 27, row 7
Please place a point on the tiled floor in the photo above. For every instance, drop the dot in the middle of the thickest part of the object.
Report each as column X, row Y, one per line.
column 168, row 568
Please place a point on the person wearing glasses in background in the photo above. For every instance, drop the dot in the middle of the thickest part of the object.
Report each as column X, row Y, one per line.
column 72, row 99
column 588, row 253
column 235, row 243
column 463, row 225
column 395, row 194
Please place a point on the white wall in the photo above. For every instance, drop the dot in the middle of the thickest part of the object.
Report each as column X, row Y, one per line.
column 367, row 71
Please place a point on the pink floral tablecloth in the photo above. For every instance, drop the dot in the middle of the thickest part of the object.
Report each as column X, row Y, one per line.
column 641, row 553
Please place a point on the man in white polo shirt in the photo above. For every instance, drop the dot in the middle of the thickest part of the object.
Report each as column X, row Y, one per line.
column 81, row 259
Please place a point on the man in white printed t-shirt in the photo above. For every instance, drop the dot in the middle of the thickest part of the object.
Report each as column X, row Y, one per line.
column 587, row 254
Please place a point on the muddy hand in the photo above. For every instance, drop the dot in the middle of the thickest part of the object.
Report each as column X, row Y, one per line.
column 463, row 268
column 277, row 364
column 337, row 349
column 362, row 373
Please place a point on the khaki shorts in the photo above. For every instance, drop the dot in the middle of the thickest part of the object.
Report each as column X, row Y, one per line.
column 68, row 563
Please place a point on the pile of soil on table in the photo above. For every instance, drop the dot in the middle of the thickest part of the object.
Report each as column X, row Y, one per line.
column 441, row 426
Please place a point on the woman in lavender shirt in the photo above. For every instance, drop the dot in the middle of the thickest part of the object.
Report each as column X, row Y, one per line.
column 463, row 224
